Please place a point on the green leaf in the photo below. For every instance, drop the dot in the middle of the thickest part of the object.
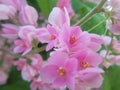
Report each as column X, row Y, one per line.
column 114, row 77
column 82, row 8
column 46, row 6
column 106, row 83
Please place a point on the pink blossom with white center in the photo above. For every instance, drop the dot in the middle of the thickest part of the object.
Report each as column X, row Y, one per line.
column 10, row 31
column 6, row 12
column 22, row 46
column 87, row 58
column 20, row 63
column 3, row 77
column 90, row 77
column 60, row 70
column 28, row 73
column 28, row 16
column 67, row 4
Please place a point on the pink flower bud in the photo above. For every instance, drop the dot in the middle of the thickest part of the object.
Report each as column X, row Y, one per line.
column 28, row 16
column 6, row 12
column 3, row 78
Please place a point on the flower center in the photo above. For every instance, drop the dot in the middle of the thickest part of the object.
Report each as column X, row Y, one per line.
column 85, row 64
column 52, row 37
column 61, row 71
column 22, row 45
column 72, row 39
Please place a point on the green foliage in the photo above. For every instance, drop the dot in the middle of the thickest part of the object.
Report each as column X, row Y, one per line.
column 45, row 6
column 82, row 8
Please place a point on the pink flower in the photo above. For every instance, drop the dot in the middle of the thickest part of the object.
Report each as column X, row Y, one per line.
column 114, row 59
column 87, row 58
column 58, row 17
column 28, row 73
column 22, row 46
column 27, row 32
column 106, row 40
column 15, row 3
column 10, row 31
column 6, row 12
column 114, row 27
column 36, row 61
column 95, row 42
column 60, row 70
column 3, row 77
column 90, row 77
column 116, row 46
column 28, row 16
column 73, row 39
column 67, row 4
column 115, row 12
column 48, row 35
column 20, row 63
column 37, row 83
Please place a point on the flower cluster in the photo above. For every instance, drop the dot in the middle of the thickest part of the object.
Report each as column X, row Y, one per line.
column 75, row 58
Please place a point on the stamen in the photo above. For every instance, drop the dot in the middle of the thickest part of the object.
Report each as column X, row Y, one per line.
column 61, row 71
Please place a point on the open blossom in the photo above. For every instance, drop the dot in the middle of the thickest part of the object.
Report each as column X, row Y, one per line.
column 87, row 58
column 73, row 39
column 60, row 70
column 48, row 35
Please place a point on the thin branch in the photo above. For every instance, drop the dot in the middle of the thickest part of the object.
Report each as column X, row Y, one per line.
column 91, row 13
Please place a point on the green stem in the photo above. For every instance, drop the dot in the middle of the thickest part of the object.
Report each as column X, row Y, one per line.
column 91, row 13
column 36, row 50
column 105, row 31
